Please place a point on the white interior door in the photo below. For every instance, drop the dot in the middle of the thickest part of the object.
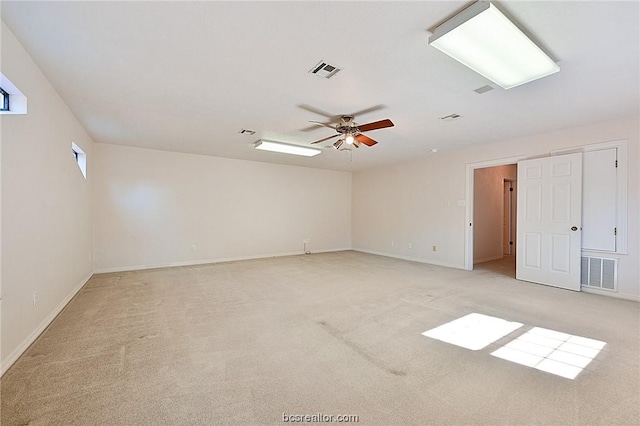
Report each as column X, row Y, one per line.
column 549, row 221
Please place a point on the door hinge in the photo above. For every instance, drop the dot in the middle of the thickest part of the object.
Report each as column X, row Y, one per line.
column 616, row 163
column 615, row 231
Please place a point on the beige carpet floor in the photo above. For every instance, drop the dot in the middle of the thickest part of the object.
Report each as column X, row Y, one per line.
column 335, row 333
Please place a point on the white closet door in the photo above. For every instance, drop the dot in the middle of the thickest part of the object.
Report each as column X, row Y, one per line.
column 599, row 200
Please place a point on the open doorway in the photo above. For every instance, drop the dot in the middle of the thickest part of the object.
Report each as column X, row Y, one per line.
column 494, row 218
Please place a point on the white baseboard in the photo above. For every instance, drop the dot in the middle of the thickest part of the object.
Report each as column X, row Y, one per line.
column 17, row 352
column 205, row 261
column 411, row 259
column 13, row 357
column 489, row 259
column 632, row 297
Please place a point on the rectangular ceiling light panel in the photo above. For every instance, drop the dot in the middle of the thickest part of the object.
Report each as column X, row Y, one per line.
column 286, row 149
column 486, row 41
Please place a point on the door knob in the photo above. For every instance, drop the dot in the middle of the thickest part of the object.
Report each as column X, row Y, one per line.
column 574, row 228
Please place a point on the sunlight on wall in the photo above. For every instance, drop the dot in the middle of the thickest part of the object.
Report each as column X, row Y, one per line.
column 546, row 350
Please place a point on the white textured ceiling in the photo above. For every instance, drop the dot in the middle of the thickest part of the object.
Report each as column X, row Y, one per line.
column 188, row 76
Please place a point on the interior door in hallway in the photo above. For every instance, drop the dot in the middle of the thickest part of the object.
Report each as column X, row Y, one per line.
column 549, row 221
column 507, row 219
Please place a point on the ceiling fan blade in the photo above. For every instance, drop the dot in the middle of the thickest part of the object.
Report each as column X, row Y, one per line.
column 319, row 123
column 316, row 126
column 367, row 110
column 316, row 111
column 309, row 128
column 375, row 125
column 365, row 140
column 325, row 139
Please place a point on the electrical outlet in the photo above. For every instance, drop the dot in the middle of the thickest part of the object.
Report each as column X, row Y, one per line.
column 393, row 243
column 194, row 248
column 35, row 298
column 435, row 248
column 410, row 245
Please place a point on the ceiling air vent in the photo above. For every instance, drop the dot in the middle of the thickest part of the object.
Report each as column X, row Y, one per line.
column 450, row 117
column 483, row 89
column 247, row 132
column 323, row 69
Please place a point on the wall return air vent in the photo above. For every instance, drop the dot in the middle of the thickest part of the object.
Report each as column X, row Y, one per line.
column 597, row 272
column 325, row 70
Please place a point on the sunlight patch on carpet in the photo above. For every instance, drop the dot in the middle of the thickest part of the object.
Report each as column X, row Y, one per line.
column 551, row 351
column 474, row 331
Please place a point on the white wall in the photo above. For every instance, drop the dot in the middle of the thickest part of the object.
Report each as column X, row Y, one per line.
column 46, row 205
column 488, row 214
column 151, row 207
column 417, row 202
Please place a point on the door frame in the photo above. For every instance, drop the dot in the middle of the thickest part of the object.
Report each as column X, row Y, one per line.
column 512, row 203
column 468, row 231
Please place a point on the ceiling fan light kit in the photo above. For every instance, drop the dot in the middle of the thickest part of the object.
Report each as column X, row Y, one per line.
column 352, row 133
column 265, row 145
column 485, row 40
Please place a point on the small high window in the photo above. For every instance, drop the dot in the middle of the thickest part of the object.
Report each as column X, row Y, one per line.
column 12, row 100
column 4, row 102
column 80, row 157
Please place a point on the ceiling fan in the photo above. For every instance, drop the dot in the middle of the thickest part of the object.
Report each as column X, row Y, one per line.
column 351, row 132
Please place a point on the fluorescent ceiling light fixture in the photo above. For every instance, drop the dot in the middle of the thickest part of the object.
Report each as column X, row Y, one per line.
column 486, row 41
column 286, row 149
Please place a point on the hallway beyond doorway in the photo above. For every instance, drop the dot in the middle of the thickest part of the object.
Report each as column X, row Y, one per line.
column 505, row 266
